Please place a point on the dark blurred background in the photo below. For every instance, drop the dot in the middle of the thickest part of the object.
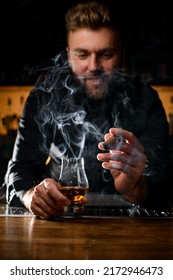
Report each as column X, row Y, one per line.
column 32, row 32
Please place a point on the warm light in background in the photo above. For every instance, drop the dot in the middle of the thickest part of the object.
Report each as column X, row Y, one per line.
column 12, row 99
column 166, row 96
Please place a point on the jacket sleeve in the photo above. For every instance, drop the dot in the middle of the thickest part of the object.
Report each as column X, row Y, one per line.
column 26, row 167
column 155, row 139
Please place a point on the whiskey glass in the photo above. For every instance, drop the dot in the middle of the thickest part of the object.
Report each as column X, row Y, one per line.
column 73, row 183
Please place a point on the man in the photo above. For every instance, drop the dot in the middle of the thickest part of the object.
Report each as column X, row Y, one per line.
column 81, row 101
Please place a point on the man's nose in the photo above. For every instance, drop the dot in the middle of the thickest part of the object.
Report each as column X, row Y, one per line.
column 93, row 63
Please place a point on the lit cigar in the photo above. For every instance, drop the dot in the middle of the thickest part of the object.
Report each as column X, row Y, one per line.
column 112, row 142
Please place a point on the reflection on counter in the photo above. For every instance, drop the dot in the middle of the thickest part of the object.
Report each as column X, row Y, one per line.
column 95, row 211
column 5, row 210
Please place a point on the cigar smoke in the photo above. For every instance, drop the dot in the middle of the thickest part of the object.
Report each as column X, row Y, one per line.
column 65, row 119
column 62, row 108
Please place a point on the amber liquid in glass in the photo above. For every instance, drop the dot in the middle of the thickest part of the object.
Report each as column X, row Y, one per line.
column 74, row 194
column 73, row 183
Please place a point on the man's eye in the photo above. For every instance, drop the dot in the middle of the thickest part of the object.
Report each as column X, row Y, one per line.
column 107, row 54
column 82, row 55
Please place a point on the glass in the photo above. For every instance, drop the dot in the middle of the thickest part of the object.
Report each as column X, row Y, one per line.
column 74, row 183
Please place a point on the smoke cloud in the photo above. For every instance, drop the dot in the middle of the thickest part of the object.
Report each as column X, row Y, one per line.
column 63, row 109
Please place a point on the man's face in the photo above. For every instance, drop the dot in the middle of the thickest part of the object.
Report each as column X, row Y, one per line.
column 93, row 55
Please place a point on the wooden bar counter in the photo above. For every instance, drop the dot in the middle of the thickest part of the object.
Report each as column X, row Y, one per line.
column 87, row 237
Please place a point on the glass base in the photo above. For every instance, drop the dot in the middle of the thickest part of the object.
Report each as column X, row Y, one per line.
column 74, row 210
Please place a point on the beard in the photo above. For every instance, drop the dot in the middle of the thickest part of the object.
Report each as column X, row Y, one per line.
column 95, row 87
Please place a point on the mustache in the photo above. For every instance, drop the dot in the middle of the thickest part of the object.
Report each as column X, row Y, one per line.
column 94, row 76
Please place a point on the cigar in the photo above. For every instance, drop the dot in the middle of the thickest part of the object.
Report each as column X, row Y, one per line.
column 112, row 142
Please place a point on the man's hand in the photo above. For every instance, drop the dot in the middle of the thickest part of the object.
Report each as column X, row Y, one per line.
column 45, row 200
column 126, row 161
